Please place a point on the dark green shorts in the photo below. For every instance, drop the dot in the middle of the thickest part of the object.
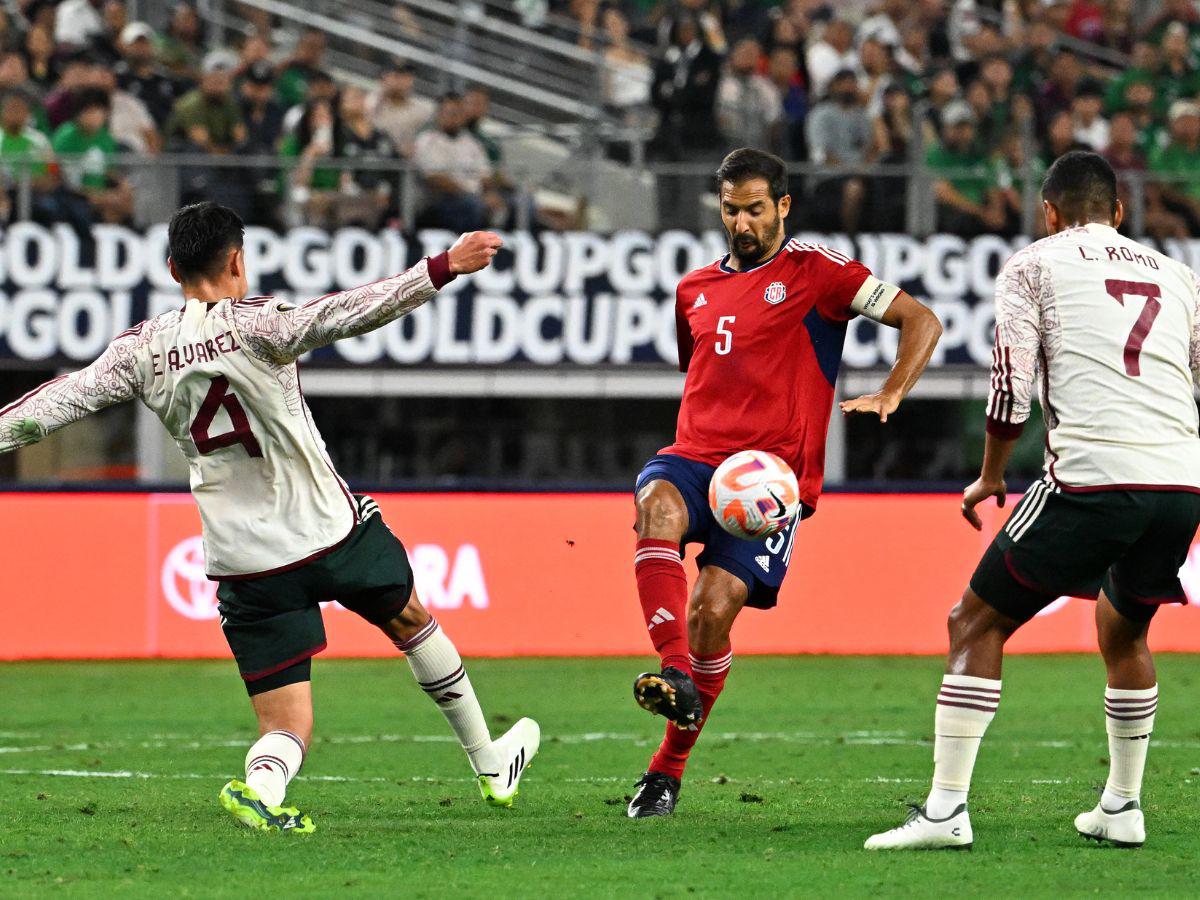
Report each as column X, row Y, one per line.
column 1056, row 544
column 274, row 622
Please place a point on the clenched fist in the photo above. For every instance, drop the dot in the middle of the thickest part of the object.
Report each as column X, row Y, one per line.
column 473, row 251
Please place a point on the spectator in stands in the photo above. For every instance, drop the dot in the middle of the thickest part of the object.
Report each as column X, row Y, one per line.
column 586, row 27
column 141, row 75
column 24, row 153
column 366, row 196
column 61, row 103
column 311, row 187
column 255, row 50
column 1009, row 177
column 840, row 133
column 454, row 167
column 1183, row 11
column 884, row 24
column 832, row 53
column 77, row 23
column 321, row 88
column 684, row 92
column 106, row 45
column 260, row 112
column 42, row 65
column 397, row 110
column 1058, row 90
column 298, row 70
column 10, row 35
column 965, row 203
column 129, row 122
column 1117, row 32
column 942, row 90
column 996, row 73
column 1125, row 156
column 1087, row 111
column 892, row 136
column 182, row 46
column 1176, row 78
column 1035, row 58
column 477, row 103
column 875, row 65
column 1179, row 163
column 783, row 69
column 1060, row 137
column 86, row 149
column 208, row 119
column 1142, row 68
column 627, row 72
column 749, row 111
column 1085, row 20
column 913, row 57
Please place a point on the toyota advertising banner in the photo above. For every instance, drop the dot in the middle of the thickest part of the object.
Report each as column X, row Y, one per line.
column 551, row 299
column 122, row 576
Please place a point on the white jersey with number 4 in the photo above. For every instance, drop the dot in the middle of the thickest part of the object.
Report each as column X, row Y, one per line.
column 223, row 379
column 1114, row 327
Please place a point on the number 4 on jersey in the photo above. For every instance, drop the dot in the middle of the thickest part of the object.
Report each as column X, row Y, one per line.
column 1118, row 289
column 220, row 396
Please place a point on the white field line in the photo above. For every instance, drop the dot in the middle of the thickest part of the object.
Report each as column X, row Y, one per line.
column 418, row 779
column 854, row 738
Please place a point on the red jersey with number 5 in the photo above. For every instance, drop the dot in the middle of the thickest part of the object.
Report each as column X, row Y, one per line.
column 761, row 348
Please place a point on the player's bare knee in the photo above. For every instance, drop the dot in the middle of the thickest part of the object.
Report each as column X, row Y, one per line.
column 972, row 620
column 661, row 512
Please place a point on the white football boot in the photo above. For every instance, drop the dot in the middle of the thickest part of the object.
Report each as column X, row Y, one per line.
column 919, row 832
column 513, row 752
column 1125, row 827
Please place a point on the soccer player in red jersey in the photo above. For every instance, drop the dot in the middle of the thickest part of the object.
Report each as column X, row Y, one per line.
column 760, row 337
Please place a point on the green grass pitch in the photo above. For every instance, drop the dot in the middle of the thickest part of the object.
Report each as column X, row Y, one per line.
column 804, row 757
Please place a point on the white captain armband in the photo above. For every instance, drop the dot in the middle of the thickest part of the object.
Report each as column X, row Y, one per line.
column 874, row 298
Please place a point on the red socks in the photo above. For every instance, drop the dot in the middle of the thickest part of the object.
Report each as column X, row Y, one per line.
column 709, row 673
column 662, row 589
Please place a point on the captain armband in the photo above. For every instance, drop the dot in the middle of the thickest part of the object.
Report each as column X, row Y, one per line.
column 873, row 298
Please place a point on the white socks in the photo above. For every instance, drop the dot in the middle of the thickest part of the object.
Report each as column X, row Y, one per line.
column 1129, row 717
column 438, row 668
column 965, row 708
column 271, row 763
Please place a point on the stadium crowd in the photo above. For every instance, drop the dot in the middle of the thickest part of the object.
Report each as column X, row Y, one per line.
column 984, row 93
column 969, row 87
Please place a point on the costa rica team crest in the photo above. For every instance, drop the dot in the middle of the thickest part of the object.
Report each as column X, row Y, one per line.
column 776, row 292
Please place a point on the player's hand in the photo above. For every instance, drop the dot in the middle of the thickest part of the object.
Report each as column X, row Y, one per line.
column 978, row 492
column 473, row 251
column 880, row 403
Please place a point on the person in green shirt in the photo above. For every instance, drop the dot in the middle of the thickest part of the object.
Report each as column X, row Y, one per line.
column 1181, row 158
column 86, row 149
column 292, row 84
column 310, row 189
column 208, row 118
column 966, row 202
column 24, row 153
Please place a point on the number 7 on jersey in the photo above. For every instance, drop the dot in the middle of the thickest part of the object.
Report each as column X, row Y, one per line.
column 1118, row 290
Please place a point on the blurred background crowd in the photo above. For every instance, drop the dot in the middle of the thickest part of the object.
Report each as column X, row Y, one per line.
column 898, row 114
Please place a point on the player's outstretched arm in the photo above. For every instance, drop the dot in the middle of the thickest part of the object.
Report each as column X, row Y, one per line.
column 282, row 332
column 113, row 378
column 919, row 334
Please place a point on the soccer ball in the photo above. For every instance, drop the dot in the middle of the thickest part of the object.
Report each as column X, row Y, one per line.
column 754, row 495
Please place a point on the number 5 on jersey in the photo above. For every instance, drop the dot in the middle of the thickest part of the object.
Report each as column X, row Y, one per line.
column 219, row 395
column 725, row 341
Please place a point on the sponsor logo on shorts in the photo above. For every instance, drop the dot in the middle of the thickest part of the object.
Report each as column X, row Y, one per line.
column 776, row 292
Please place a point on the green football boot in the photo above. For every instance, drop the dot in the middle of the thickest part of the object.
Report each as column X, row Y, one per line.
column 243, row 803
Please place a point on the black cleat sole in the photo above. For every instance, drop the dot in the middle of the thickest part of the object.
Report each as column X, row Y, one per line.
column 655, row 694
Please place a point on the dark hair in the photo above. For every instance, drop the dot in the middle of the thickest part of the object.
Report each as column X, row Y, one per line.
column 1082, row 185
column 199, row 237
column 91, row 98
column 745, row 163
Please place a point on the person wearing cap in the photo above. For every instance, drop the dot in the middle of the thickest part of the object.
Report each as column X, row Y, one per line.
column 140, row 74
column 398, row 112
column 77, row 22
column 1180, row 158
column 208, row 118
column 966, row 203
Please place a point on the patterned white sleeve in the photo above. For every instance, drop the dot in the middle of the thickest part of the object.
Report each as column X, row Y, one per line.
column 1194, row 346
column 1020, row 290
column 113, row 378
column 280, row 333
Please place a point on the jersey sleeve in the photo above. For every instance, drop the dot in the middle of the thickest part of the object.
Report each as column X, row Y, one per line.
column 849, row 287
column 683, row 335
column 113, row 378
column 280, row 332
column 1018, row 339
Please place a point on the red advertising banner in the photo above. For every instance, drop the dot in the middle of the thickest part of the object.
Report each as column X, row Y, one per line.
column 122, row 576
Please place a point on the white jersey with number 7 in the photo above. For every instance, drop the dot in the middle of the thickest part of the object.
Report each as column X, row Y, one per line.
column 223, row 379
column 1114, row 328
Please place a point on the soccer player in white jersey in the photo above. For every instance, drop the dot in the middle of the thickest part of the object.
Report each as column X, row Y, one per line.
column 282, row 532
column 1115, row 330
